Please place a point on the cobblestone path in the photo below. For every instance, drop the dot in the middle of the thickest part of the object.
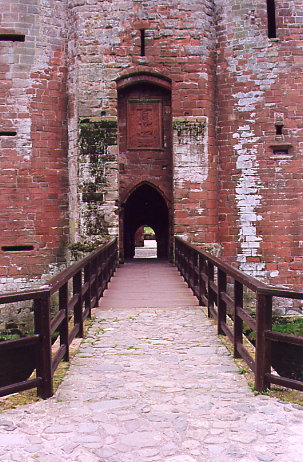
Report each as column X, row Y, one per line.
column 153, row 384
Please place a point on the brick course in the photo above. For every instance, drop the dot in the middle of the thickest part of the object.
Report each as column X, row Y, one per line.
column 258, row 85
column 233, row 177
column 34, row 162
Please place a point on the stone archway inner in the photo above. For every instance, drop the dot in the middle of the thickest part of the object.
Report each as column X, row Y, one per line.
column 146, row 206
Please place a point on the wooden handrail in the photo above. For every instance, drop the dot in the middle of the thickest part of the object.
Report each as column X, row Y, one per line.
column 249, row 281
column 209, row 285
column 286, row 338
column 89, row 277
column 57, row 281
column 11, row 297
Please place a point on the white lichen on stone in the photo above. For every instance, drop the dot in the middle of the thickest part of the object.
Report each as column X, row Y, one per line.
column 248, row 199
column 248, row 190
column 190, row 150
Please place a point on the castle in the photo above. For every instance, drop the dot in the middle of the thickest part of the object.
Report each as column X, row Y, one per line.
column 186, row 116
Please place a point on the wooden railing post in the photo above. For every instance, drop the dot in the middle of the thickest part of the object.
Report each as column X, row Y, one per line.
column 46, row 363
column 44, row 352
column 94, row 284
column 202, row 274
column 238, row 323
column 107, row 268
column 263, row 358
column 88, row 295
column 186, row 265
column 63, row 302
column 176, row 253
column 200, row 280
column 114, row 260
column 78, row 313
column 199, row 269
column 181, row 260
column 196, row 274
column 98, row 270
column 192, row 265
column 211, row 298
column 220, row 302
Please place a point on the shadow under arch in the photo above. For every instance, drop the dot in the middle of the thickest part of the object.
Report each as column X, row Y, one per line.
column 146, row 206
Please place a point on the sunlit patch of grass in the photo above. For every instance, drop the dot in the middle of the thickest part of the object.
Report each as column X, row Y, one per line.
column 282, row 393
column 30, row 396
column 12, row 401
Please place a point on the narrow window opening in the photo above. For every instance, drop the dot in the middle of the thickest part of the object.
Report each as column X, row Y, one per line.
column 142, row 47
column 279, row 129
column 271, row 19
column 7, row 133
column 12, row 37
column 280, row 152
column 17, row 248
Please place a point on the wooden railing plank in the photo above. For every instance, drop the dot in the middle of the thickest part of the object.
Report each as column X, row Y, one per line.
column 281, row 337
column 97, row 268
column 285, row 382
column 221, row 304
column 246, row 356
column 227, row 331
column 73, row 333
column 249, row 281
column 227, row 299
column 211, row 290
column 250, row 321
column 58, row 357
column 20, row 386
column 57, row 320
column 73, row 302
column 19, row 343
column 12, row 297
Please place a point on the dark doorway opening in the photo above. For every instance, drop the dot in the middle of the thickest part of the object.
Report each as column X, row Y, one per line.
column 146, row 207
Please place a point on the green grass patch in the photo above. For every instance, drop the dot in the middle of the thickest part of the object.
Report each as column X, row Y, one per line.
column 283, row 324
column 288, row 325
column 4, row 337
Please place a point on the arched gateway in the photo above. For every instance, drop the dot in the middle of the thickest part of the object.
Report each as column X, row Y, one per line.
column 146, row 206
column 145, row 160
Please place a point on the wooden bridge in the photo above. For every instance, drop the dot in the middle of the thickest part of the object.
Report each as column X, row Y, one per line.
column 146, row 284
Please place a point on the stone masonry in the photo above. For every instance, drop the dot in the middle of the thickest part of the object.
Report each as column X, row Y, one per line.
column 224, row 148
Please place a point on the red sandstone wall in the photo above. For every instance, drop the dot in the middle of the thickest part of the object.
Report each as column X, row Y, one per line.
column 153, row 165
column 33, row 174
column 179, row 45
column 259, row 82
column 258, row 86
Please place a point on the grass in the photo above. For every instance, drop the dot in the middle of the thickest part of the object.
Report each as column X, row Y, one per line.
column 148, row 230
column 30, row 396
column 282, row 393
column 288, row 325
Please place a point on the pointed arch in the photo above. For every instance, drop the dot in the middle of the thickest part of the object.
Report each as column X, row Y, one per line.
column 133, row 188
column 145, row 205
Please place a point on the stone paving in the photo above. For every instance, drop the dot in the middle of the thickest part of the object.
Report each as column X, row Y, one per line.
column 153, row 384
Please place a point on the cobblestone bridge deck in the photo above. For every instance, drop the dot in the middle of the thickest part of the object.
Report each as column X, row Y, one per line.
column 152, row 382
